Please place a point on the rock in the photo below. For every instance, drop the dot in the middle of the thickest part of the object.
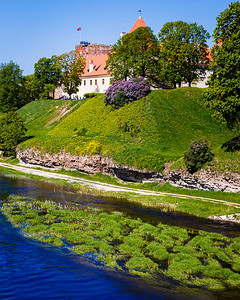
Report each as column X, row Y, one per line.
column 85, row 163
column 204, row 180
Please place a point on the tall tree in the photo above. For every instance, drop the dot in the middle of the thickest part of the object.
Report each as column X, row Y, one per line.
column 30, row 87
column 72, row 66
column 46, row 72
column 136, row 54
column 12, row 132
column 223, row 94
column 184, row 53
column 12, row 89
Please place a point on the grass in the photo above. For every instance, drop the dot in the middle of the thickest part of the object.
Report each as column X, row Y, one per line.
column 144, row 134
column 205, row 260
column 41, row 116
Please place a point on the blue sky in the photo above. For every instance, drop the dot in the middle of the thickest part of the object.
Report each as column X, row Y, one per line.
column 31, row 29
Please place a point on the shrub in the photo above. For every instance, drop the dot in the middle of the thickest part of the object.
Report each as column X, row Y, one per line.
column 198, row 154
column 123, row 92
column 90, row 95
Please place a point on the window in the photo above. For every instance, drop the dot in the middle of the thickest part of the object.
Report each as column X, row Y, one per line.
column 90, row 82
column 102, row 81
column 95, row 81
column 84, row 82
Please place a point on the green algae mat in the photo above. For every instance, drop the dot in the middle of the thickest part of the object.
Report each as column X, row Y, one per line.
column 195, row 258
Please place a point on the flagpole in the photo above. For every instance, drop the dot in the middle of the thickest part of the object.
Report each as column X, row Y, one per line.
column 80, row 29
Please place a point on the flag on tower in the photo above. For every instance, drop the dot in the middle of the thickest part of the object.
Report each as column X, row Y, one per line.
column 79, row 29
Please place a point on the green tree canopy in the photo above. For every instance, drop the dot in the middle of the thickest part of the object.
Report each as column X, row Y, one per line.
column 12, row 132
column 12, row 89
column 46, row 72
column 30, row 87
column 223, row 94
column 183, row 52
column 72, row 66
column 136, row 54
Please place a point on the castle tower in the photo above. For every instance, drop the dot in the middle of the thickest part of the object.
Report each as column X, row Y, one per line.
column 138, row 23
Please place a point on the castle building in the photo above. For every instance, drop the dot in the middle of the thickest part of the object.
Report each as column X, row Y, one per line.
column 95, row 78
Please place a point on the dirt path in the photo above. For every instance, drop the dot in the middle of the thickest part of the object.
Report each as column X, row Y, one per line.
column 106, row 186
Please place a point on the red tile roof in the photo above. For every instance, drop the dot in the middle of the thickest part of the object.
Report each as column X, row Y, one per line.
column 98, row 62
column 138, row 23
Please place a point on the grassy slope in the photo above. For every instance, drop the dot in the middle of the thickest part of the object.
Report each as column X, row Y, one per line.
column 41, row 116
column 144, row 134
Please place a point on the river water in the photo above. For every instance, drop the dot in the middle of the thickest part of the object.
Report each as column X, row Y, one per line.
column 32, row 270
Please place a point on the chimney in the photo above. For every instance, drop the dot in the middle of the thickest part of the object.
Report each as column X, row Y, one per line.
column 122, row 34
column 91, row 66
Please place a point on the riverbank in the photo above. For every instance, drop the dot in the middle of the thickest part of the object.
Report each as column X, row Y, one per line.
column 215, row 205
column 142, row 141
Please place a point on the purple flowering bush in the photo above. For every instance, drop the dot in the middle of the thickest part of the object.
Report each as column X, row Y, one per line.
column 123, row 92
column 198, row 154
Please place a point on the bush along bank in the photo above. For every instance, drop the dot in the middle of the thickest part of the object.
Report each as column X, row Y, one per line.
column 198, row 259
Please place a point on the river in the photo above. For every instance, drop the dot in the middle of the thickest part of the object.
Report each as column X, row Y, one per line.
column 33, row 270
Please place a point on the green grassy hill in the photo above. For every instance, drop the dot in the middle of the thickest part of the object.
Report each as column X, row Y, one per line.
column 143, row 134
column 40, row 116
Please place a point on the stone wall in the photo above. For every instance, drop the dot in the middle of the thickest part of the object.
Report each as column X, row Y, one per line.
column 93, row 49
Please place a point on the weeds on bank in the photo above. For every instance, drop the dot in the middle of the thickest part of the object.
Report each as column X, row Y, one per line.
column 200, row 259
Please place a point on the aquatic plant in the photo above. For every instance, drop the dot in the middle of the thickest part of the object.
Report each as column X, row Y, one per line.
column 200, row 259
column 140, row 262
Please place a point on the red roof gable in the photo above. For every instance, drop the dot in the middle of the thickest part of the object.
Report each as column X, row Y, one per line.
column 138, row 23
column 97, row 63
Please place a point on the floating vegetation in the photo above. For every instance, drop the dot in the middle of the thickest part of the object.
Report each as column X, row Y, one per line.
column 201, row 259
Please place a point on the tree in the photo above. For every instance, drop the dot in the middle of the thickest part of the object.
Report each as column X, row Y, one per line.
column 12, row 132
column 46, row 71
column 136, row 54
column 72, row 66
column 12, row 90
column 184, row 53
column 30, row 86
column 223, row 94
